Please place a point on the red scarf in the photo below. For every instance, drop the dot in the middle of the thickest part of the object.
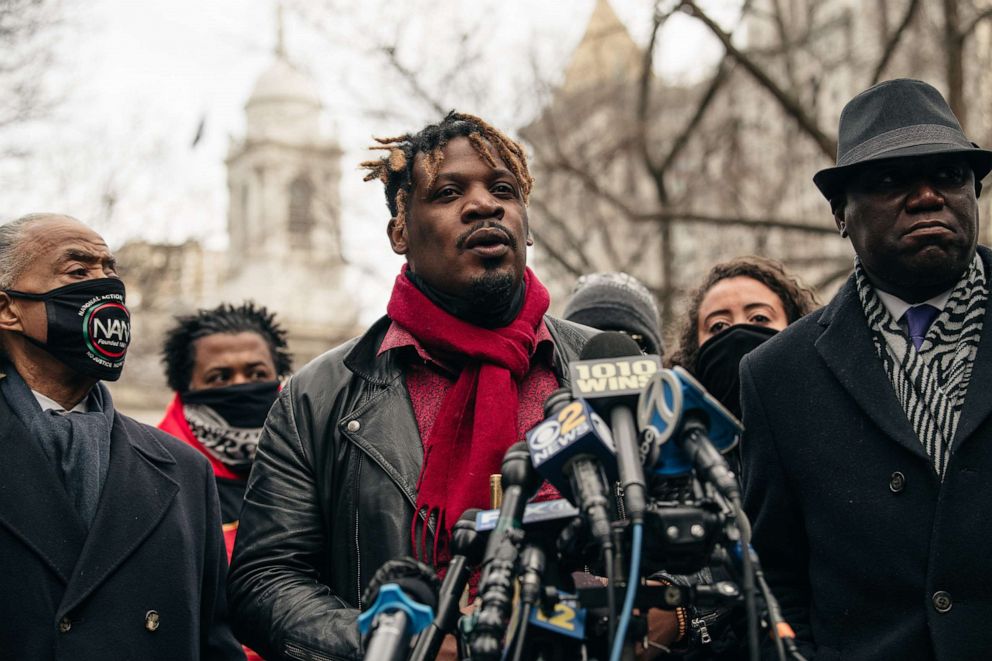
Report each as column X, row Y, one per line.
column 478, row 418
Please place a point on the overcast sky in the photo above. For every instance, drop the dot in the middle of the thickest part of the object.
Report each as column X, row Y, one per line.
column 136, row 79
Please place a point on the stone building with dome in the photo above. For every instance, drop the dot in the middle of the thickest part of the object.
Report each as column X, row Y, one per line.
column 284, row 240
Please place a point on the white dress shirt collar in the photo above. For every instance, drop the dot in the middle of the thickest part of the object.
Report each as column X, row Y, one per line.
column 49, row 403
column 897, row 307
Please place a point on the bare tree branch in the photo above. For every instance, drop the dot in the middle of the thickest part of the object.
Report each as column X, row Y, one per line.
column 592, row 184
column 722, row 75
column 810, row 33
column 791, row 106
column 644, row 101
column 730, row 221
column 975, row 22
column 574, row 248
column 412, row 79
column 783, row 37
column 893, row 41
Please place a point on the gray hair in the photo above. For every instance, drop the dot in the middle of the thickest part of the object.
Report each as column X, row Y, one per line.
column 13, row 260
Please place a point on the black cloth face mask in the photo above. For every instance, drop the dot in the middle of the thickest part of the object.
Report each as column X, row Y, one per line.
column 719, row 359
column 244, row 405
column 89, row 327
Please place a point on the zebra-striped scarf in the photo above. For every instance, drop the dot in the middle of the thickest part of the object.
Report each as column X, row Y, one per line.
column 931, row 383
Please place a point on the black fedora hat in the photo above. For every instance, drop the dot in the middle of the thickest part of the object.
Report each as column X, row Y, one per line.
column 895, row 119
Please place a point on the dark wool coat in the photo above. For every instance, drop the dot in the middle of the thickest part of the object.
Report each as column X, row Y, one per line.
column 146, row 583
column 871, row 555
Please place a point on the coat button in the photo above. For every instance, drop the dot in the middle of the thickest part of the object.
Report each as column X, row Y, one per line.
column 897, row 482
column 942, row 601
column 151, row 620
column 65, row 624
column 353, row 426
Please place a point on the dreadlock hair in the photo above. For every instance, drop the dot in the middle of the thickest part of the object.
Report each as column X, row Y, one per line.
column 179, row 352
column 395, row 169
column 797, row 299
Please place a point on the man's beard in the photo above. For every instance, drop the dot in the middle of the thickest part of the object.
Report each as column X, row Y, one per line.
column 493, row 299
column 491, row 291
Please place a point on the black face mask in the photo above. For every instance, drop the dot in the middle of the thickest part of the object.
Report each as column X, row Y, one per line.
column 719, row 360
column 89, row 328
column 244, row 405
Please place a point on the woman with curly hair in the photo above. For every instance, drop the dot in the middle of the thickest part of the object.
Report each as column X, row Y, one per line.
column 740, row 304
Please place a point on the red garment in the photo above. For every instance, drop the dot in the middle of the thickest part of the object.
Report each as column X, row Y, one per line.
column 430, row 380
column 477, row 421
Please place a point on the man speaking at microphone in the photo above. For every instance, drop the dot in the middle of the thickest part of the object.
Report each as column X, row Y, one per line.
column 374, row 450
column 866, row 453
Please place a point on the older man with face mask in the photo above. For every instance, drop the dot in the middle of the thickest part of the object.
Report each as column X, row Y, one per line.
column 867, row 446
column 109, row 530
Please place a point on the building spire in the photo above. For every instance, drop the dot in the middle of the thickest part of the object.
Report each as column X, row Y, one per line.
column 280, row 39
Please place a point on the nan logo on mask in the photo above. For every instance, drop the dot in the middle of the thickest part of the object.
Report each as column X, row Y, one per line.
column 89, row 327
column 106, row 329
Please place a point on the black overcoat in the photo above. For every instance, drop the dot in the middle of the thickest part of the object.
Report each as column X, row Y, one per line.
column 871, row 555
column 146, row 583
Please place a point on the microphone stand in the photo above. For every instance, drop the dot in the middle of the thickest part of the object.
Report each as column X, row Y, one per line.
column 466, row 547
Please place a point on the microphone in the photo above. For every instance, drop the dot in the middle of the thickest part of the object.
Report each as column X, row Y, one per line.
column 520, row 482
column 467, row 546
column 573, row 450
column 403, row 594
column 610, row 376
column 675, row 407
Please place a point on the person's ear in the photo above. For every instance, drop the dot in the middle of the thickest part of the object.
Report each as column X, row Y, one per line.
column 396, row 230
column 839, row 207
column 10, row 319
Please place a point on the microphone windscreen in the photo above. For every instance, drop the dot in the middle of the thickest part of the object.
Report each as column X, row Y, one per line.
column 465, row 540
column 413, row 577
column 609, row 344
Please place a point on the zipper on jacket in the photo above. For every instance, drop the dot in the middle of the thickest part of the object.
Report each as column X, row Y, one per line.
column 699, row 624
column 358, row 550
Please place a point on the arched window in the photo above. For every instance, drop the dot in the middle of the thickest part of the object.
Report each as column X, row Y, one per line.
column 300, row 212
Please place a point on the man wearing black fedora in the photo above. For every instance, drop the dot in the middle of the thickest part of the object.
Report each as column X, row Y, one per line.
column 867, row 455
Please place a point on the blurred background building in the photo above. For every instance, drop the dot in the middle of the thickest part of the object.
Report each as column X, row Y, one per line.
column 284, row 250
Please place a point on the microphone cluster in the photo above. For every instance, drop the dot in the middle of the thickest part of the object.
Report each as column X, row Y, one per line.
column 625, row 427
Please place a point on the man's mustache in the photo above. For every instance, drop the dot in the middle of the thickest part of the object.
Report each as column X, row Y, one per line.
column 485, row 224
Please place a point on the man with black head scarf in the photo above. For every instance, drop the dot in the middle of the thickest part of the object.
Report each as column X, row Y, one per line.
column 109, row 529
column 868, row 423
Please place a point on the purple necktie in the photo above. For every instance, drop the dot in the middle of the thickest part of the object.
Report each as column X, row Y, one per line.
column 919, row 318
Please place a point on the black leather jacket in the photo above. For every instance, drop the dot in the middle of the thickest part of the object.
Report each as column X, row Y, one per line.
column 331, row 497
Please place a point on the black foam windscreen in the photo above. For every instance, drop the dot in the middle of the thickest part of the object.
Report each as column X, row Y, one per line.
column 465, row 540
column 412, row 576
column 609, row 344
